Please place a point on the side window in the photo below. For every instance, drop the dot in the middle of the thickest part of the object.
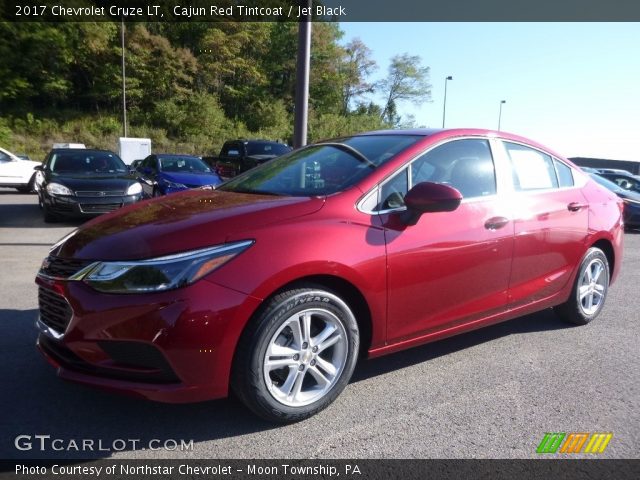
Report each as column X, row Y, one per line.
column 4, row 157
column 565, row 177
column 531, row 169
column 464, row 164
column 393, row 191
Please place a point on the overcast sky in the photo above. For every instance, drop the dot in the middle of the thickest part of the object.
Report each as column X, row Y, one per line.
column 574, row 87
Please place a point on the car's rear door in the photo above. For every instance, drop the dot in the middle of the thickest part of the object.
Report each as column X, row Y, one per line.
column 451, row 267
column 550, row 221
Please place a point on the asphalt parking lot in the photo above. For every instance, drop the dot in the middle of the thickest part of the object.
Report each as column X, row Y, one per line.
column 492, row 393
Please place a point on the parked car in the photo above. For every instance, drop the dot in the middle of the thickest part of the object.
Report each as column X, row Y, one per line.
column 274, row 283
column 161, row 174
column 625, row 181
column 631, row 199
column 17, row 173
column 237, row 156
column 84, row 183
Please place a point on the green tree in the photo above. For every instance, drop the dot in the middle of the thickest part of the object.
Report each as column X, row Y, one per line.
column 357, row 65
column 406, row 81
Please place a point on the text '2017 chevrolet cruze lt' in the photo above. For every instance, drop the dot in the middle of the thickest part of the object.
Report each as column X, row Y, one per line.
column 273, row 284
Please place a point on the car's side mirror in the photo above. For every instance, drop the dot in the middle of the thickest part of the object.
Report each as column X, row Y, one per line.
column 429, row 197
column 39, row 168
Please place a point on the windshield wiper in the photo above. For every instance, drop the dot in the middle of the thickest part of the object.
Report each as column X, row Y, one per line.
column 349, row 149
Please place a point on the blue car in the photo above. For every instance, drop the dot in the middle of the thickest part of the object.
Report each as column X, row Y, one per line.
column 162, row 174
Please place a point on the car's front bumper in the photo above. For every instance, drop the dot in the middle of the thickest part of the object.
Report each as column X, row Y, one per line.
column 175, row 346
column 73, row 206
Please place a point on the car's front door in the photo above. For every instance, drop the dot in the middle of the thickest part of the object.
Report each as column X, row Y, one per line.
column 450, row 268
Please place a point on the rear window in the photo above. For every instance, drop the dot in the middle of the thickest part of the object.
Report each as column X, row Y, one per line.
column 264, row 148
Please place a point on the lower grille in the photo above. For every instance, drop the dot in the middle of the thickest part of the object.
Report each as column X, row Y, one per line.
column 100, row 194
column 63, row 207
column 55, row 312
column 99, row 207
column 65, row 357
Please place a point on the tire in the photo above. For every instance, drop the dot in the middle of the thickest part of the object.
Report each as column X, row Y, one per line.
column 589, row 290
column 285, row 375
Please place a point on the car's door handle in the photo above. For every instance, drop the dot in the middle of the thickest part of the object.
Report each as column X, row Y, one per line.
column 494, row 223
column 575, row 206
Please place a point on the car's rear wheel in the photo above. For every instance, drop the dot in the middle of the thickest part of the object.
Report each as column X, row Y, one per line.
column 589, row 290
column 297, row 355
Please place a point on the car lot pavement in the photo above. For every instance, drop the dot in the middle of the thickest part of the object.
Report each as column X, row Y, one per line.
column 492, row 393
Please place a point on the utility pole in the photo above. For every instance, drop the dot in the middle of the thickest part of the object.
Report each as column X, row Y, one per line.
column 124, row 84
column 302, row 78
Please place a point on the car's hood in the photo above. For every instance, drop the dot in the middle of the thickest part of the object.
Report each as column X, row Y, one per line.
column 29, row 163
column 191, row 178
column 94, row 182
column 179, row 222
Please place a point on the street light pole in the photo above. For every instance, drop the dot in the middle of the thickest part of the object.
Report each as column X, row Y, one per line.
column 302, row 79
column 502, row 102
column 444, row 105
column 124, row 84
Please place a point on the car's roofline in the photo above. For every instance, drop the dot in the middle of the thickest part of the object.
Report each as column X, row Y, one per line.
column 76, row 150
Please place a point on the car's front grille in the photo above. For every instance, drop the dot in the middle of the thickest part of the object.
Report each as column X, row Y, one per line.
column 55, row 312
column 63, row 267
column 99, row 207
column 100, row 194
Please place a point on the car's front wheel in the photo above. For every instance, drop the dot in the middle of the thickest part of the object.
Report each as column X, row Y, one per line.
column 589, row 290
column 297, row 355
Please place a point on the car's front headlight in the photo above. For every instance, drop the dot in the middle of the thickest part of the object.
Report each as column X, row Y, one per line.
column 159, row 274
column 134, row 189
column 58, row 189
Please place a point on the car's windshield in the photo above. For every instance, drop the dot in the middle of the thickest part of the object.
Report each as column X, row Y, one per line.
column 183, row 164
column 267, row 148
column 87, row 162
column 606, row 183
column 321, row 169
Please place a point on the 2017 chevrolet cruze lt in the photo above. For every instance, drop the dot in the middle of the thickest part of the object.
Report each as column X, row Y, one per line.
column 275, row 283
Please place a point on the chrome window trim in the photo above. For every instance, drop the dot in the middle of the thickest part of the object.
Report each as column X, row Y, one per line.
column 377, row 188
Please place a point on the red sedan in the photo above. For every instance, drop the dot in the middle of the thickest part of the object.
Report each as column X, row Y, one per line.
column 277, row 281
